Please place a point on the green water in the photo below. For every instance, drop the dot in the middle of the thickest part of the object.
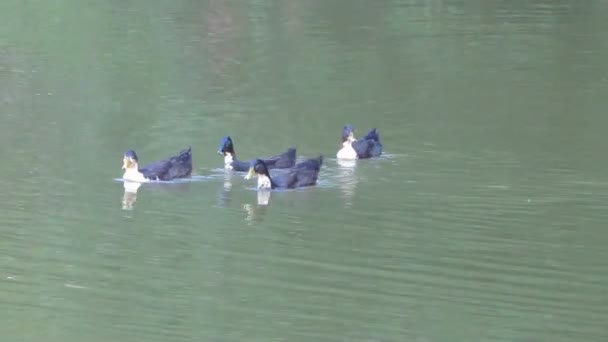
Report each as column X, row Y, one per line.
column 484, row 221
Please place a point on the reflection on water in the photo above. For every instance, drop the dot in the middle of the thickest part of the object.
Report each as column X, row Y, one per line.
column 347, row 180
column 131, row 189
column 255, row 213
column 347, row 163
column 130, row 195
column 224, row 197
column 370, row 257
column 264, row 197
column 227, row 180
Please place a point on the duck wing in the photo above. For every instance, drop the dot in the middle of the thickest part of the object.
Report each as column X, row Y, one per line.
column 303, row 174
column 369, row 146
column 283, row 160
column 311, row 164
column 179, row 166
column 372, row 135
column 306, row 178
column 296, row 178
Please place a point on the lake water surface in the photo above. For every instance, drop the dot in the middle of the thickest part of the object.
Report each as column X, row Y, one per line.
column 485, row 220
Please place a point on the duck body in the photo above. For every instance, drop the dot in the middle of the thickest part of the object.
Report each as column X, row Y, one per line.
column 283, row 160
column 303, row 174
column 347, row 151
column 311, row 164
column 367, row 147
column 179, row 166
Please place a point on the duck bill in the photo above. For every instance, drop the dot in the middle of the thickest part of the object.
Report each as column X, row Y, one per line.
column 250, row 173
column 351, row 137
column 125, row 163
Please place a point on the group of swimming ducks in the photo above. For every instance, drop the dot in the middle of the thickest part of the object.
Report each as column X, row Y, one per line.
column 295, row 175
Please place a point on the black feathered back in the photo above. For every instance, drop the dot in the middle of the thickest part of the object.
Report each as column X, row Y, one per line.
column 179, row 166
column 303, row 174
column 282, row 160
column 369, row 146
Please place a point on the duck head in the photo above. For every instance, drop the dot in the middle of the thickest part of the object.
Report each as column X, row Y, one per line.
column 130, row 165
column 226, row 149
column 348, row 134
column 129, row 160
column 259, row 168
column 226, row 146
column 348, row 137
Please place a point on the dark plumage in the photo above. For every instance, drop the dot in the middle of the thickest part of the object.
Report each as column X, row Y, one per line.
column 179, row 166
column 367, row 147
column 303, row 174
column 284, row 160
column 311, row 164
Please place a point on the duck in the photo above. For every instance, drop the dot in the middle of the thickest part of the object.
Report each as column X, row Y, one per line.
column 179, row 166
column 284, row 160
column 303, row 174
column 367, row 147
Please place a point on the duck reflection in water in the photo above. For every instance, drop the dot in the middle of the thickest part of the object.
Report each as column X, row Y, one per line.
column 130, row 195
column 225, row 192
column 347, row 180
column 255, row 213
column 224, row 195
column 131, row 188
column 264, row 196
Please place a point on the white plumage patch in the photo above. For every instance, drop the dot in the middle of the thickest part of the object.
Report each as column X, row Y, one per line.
column 264, row 182
column 132, row 174
column 228, row 161
column 347, row 151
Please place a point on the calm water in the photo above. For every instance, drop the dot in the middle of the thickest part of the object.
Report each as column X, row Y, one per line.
column 484, row 221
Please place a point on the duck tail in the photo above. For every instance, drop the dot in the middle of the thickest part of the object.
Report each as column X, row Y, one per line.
column 291, row 153
column 372, row 135
column 185, row 155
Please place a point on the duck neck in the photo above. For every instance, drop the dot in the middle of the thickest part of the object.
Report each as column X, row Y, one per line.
column 265, row 182
column 347, row 151
column 228, row 158
column 132, row 174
